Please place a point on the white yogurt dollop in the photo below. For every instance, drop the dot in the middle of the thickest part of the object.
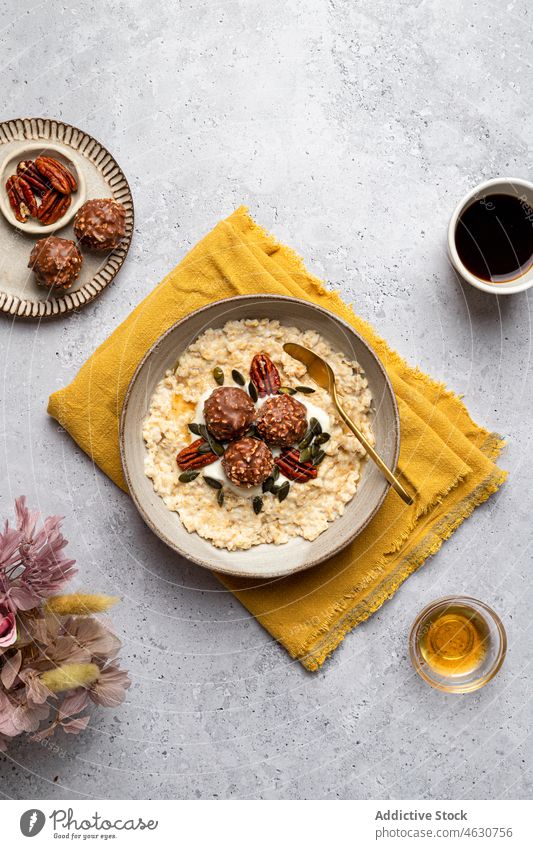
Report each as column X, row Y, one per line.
column 318, row 413
column 216, row 471
column 199, row 412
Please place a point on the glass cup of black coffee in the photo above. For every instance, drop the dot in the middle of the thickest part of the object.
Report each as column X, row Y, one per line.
column 491, row 236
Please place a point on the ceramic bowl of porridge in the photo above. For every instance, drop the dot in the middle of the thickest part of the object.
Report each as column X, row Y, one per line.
column 235, row 458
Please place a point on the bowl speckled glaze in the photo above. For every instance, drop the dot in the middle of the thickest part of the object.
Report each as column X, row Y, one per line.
column 262, row 561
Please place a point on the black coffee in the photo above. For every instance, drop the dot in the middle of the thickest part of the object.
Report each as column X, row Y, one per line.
column 494, row 238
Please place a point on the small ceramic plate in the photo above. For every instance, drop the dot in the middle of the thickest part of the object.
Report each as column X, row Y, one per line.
column 261, row 561
column 99, row 176
column 9, row 168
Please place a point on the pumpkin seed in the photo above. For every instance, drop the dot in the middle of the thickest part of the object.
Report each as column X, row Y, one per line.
column 214, row 446
column 257, row 504
column 315, row 426
column 252, row 391
column 217, row 448
column 187, row 477
column 218, row 374
column 194, row 428
column 314, row 449
column 212, row 482
column 275, row 489
column 237, row 377
column 220, row 497
column 305, row 455
column 252, row 431
column 286, row 390
column 318, row 458
column 268, row 484
column 283, row 491
column 322, row 438
column 305, row 390
column 306, row 441
column 205, row 449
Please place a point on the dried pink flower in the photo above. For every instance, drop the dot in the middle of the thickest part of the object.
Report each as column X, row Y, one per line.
column 32, row 565
column 93, row 635
column 73, row 703
column 7, row 709
column 40, row 642
column 8, row 624
column 36, row 692
column 17, row 716
column 10, row 541
column 28, row 717
column 66, row 649
column 26, row 520
column 110, row 688
column 10, row 670
column 74, row 726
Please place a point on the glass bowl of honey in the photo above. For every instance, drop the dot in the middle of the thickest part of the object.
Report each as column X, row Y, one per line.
column 457, row 644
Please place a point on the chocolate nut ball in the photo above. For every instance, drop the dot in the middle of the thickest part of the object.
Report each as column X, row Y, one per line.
column 248, row 462
column 56, row 262
column 228, row 413
column 100, row 224
column 282, row 421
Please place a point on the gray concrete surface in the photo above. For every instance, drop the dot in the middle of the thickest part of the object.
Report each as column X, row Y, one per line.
column 350, row 129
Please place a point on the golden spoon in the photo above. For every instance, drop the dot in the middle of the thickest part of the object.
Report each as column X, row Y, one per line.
column 322, row 374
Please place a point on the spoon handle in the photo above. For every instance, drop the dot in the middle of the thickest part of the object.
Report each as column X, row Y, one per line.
column 372, row 453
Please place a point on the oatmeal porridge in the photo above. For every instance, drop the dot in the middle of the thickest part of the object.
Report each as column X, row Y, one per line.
column 245, row 447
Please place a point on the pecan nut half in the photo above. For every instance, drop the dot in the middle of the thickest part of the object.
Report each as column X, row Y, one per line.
column 24, row 189
column 289, row 464
column 17, row 200
column 58, row 210
column 191, row 457
column 264, row 375
column 26, row 168
column 47, row 202
column 53, row 207
column 59, row 177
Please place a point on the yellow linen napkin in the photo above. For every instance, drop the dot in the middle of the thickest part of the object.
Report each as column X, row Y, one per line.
column 445, row 456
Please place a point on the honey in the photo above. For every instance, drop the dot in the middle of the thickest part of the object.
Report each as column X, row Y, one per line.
column 180, row 405
column 454, row 640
